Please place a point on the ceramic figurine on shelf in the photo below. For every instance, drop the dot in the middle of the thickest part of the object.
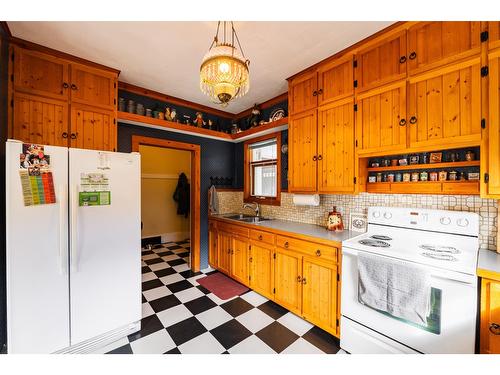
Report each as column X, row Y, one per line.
column 173, row 115
column 335, row 221
column 210, row 124
column 254, row 118
column 168, row 114
column 198, row 121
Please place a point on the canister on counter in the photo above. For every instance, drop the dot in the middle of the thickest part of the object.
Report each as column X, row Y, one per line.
column 406, row 177
column 424, row 176
column 452, row 175
column 414, row 176
column 433, row 176
column 443, row 175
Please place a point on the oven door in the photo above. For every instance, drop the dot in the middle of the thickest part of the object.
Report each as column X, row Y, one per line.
column 451, row 324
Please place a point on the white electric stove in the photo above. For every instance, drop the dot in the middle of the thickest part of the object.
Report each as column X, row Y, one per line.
column 442, row 243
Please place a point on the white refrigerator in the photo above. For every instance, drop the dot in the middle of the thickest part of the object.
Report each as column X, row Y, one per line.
column 73, row 266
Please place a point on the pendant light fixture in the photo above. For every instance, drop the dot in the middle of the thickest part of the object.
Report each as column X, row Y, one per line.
column 224, row 73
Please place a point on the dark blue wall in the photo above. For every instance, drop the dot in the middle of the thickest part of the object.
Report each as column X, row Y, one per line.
column 217, row 159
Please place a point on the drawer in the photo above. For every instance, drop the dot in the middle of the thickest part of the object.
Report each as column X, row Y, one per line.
column 261, row 236
column 233, row 229
column 307, row 248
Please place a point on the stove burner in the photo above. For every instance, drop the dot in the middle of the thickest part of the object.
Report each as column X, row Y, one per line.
column 440, row 249
column 380, row 237
column 374, row 243
column 438, row 256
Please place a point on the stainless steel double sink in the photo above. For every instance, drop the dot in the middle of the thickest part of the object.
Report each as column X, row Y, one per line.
column 247, row 218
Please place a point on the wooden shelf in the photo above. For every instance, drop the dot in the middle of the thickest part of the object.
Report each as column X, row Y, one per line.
column 133, row 118
column 456, row 164
column 425, row 187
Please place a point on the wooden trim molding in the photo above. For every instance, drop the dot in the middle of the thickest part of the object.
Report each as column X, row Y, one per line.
column 195, row 186
column 5, row 27
column 247, row 198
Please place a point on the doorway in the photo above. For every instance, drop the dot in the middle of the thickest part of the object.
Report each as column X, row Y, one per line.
column 161, row 163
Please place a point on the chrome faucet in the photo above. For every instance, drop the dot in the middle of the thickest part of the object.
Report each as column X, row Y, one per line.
column 255, row 206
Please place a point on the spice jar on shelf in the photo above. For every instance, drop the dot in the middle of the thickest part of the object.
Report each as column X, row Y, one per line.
column 433, row 176
column 424, row 176
column 469, row 155
column 452, row 176
column 390, row 177
column 443, row 175
column 406, row 177
column 414, row 176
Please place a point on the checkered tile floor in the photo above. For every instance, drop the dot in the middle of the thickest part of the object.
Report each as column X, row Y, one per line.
column 181, row 316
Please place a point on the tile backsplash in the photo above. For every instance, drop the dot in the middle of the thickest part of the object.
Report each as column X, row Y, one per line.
column 358, row 204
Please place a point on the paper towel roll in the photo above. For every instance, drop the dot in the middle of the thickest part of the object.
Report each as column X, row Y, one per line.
column 306, row 199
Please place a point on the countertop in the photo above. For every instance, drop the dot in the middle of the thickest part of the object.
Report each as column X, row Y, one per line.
column 292, row 227
column 488, row 264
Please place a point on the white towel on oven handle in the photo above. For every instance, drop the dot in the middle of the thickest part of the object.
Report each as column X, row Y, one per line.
column 393, row 286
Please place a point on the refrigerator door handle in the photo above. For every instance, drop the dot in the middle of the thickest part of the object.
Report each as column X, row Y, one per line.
column 74, row 229
column 63, row 249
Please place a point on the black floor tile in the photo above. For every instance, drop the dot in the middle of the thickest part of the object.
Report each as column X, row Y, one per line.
column 322, row 340
column 183, row 255
column 187, row 274
column 203, row 289
column 179, row 285
column 125, row 349
column 153, row 261
column 174, row 247
column 200, row 304
column 186, row 330
column 149, row 324
column 155, row 283
column 164, row 303
column 147, row 252
column 277, row 336
column 236, row 307
column 164, row 253
column 230, row 333
column 164, row 272
column 173, row 351
column 145, row 269
column 211, row 272
column 144, row 300
column 272, row 309
column 176, row 262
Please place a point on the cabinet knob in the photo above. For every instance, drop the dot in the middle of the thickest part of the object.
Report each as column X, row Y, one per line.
column 74, row 87
column 320, row 91
column 250, row 260
column 315, row 93
column 73, row 136
column 286, row 244
column 64, row 135
column 65, row 85
column 402, row 122
column 413, row 120
column 318, row 253
column 299, row 279
column 402, row 59
column 260, row 237
column 495, row 328
column 315, row 158
column 320, row 157
column 229, row 251
column 304, row 281
column 412, row 55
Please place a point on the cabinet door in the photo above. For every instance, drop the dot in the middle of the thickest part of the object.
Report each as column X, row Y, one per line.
column 93, row 86
column 303, row 94
column 40, row 120
column 319, row 293
column 490, row 316
column 287, row 280
column 336, row 147
column 433, row 44
column 302, row 147
column 336, row 80
column 382, row 62
column 493, row 128
column 40, row 74
column 212, row 248
column 381, row 120
column 445, row 106
column 239, row 259
column 262, row 269
column 224, row 252
column 92, row 128
column 493, row 35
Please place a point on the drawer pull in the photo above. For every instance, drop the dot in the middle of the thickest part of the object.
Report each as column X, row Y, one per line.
column 260, row 237
column 495, row 328
column 287, row 244
column 318, row 253
column 402, row 59
column 65, row 85
column 413, row 55
column 64, row 135
column 74, row 87
column 304, row 281
column 413, row 120
column 299, row 279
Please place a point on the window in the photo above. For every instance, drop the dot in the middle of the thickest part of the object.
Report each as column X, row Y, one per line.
column 262, row 169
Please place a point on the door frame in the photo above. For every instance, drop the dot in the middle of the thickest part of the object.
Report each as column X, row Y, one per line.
column 195, row 187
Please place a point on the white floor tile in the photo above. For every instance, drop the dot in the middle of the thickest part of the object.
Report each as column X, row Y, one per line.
column 147, row 310
column 167, row 258
column 251, row 345
column 255, row 299
column 254, row 320
column 155, row 343
column 214, row 317
column 171, row 278
column 194, row 280
column 150, row 256
column 203, row 344
column 342, row 351
column 189, row 294
column 217, row 300
column 156, row 293
column 174, row 315
column 301, row 346
column 207, row 270
column 178, row 251
column 295, row 324
column 114, row 345
column 181, row 267
column 159, row 266
column 148, row 276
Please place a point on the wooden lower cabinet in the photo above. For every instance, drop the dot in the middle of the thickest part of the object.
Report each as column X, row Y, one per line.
column 261, row 269
column 287, row 280
column 239, row 259
column 212, row 247
column 490, row 316
column 224, row 252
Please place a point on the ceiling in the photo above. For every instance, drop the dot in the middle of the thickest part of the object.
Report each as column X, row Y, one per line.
column 166, row 56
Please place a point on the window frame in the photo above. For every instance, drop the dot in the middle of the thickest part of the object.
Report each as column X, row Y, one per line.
column 247, row 191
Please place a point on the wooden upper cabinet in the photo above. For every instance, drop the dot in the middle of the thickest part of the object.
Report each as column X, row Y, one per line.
column 445, row 106
column 493, row 35
column 336, row 80
column 288, row 280
column 382, row 62
column 302, row 147
column 40, row 120
column 303, row 92
column 381, row 120
column 319, row 293
column 40, row 74
column 432, row 44
column 92, row 128
column 490, row 317
column 336, row 147
column 239, row 259
column 493, row 126
column 262, row 269
column 92, row 86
